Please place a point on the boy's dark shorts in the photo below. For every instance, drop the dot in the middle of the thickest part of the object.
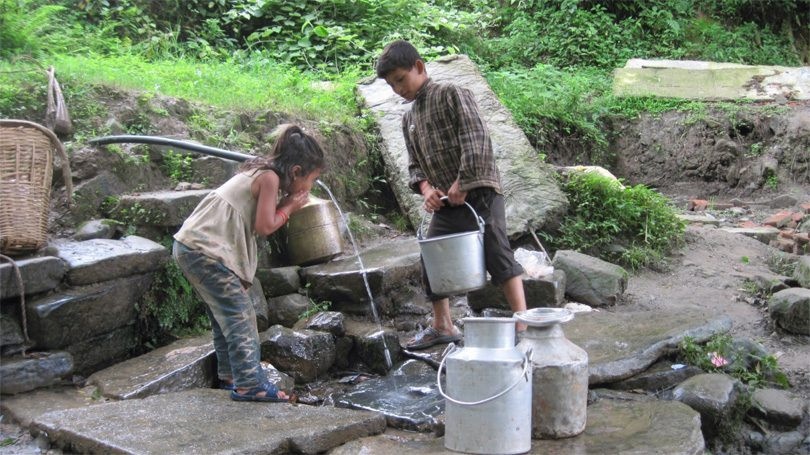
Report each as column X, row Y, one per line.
column 498, row 256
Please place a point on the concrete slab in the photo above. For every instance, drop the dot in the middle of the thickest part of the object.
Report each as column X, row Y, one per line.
column 204, row 421
column 25, row 407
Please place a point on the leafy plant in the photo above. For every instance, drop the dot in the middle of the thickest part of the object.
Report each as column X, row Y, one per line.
column 178, row 166
column 315, row 308
column 635, row 226
column 772, row 182
column 719, row 355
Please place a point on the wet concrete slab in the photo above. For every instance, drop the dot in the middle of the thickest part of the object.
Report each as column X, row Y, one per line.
column 204, row 421
column 26, row 407
column 614, row 427
column 623, row 343
column 182, row 365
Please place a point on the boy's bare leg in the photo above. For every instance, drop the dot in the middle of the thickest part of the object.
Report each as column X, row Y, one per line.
column 513, row 291
column 442, row 320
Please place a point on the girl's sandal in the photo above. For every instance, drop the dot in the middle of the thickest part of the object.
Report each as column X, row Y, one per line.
column 271, row 395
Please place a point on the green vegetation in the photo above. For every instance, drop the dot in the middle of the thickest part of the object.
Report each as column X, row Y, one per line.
column 315, row 308
column 178, row 166
column 721, row 354
column 634, row 226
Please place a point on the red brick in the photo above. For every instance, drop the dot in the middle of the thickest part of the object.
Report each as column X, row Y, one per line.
column 797, row 217
column 697, row 205
column 779, row 219
column 805, row 207
column 748, row 224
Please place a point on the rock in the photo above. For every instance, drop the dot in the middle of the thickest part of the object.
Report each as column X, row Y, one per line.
column 303, row 354
column 212, row 170
column 790, row 309
column 101, row 351
column 25, row 407
column 745, row 354
column 76, row 314
column 181, row 423
column 590, row 280
column 21, row 374
column 370, row 344
column 789, row 443
column 39, row 274
column 533, row 199
column 97, row 260
column 613, row 427
column 546, row 291
column 408, row 397
column 779, row 408
column 783, row 201
column 96, row 229
column 279, row 281
column 393, row 270
column 802, row 271
column 185, row 364
column 89, row 195
column 159, row 208
column 769, row 282
column 328, row 321
column 660, row 376
column 287, row 310
column 260, row 306
column 699, row 219
column 712, row 395
column 779, row 220
column 764, row 234
column 620, row 345
column 10, row 331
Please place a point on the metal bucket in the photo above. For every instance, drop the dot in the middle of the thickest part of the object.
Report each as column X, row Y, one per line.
column 489, row 386
column 454, row 263
column 313, row 233
column 559, row 374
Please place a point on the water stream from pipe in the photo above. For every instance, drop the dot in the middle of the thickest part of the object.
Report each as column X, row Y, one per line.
column 388, row 362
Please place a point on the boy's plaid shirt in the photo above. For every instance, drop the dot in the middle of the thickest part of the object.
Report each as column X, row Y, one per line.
column 446, row 139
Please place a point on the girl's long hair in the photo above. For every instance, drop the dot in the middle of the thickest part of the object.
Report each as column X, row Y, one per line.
column 293, row 147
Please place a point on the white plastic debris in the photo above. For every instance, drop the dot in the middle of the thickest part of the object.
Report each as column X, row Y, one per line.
column 535, row 263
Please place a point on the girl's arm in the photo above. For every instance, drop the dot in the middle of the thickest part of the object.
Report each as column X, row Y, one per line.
column 269, row 216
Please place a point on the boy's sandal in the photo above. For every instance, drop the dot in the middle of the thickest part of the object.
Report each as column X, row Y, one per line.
column 227, row 385
column 431, row 337
column 252, row 394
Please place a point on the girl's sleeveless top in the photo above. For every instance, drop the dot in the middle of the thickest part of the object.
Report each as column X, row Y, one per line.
column 222, row 226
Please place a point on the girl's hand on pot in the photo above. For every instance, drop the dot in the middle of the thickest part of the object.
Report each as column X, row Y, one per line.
column 295, row 201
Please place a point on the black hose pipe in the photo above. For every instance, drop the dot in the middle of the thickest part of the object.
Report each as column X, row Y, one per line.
column 156, row 140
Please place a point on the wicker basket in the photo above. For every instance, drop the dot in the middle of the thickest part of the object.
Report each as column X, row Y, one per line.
column 26, row 170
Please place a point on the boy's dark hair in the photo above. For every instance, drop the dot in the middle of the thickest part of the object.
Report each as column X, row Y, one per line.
column 293, row 147
column 397, row 54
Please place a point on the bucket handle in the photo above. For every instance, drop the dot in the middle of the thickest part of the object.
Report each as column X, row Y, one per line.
column 524, row 375
column 444, row 198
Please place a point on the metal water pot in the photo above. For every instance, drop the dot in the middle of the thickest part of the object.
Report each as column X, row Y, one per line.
column 454, row 263
column 559, row 374
column 313, row 233
column 488, row 396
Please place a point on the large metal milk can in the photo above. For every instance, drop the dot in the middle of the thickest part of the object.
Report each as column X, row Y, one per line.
column 313, row 233
column 488, row 392
column 559, row 374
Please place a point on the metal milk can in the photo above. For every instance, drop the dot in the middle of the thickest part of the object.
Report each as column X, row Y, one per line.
column 488, row 396
column 559, row 374
column 313, row 233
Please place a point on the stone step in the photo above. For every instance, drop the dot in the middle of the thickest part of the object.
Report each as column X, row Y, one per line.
column 20, row 374
column 393, row 271
column 39, row 274
column 613, row 426
column 97, row 260
column 26, row 407
column 158, row 208
column 546, row 291
column 185, row 364
column 204, row 421
column 622, row 344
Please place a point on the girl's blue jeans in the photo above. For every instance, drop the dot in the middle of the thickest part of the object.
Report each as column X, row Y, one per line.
column 230, row 309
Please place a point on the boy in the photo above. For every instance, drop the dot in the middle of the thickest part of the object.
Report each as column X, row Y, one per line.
column 450, row 154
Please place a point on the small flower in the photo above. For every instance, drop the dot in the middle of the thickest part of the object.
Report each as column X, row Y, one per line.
column 717, row 360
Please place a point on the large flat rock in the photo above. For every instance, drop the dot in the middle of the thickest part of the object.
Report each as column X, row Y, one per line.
column 533, row 199
column 185, row 364
column 93, row 261
column 710, row 80
column 391, row 269
column 38, row 274
column 204, row 421
column 621, row 344
column 24, row 408
column 159, row 208
column 614, row 427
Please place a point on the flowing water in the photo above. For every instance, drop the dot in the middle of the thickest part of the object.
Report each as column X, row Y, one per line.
column 388, row 362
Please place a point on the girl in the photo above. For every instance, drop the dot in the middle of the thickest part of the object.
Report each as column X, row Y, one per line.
column 216, row 250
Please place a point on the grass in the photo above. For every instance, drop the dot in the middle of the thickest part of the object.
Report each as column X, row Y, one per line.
column 258, row 85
